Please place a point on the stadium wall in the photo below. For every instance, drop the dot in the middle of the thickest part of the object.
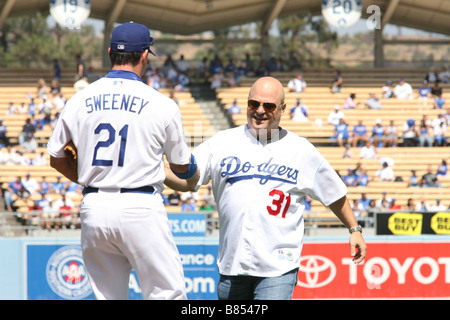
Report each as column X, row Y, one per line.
column 396, row 267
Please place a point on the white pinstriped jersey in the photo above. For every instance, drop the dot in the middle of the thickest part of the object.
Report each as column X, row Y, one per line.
column 260, row 192
column 122, row 128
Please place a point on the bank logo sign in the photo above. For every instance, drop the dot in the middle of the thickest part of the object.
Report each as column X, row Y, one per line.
column 66, row 273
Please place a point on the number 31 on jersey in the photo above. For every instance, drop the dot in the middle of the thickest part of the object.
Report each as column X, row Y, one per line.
column 280, row 203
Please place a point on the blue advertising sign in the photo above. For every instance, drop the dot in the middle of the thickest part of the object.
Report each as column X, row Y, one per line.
column 57, row 272
column 187, row 225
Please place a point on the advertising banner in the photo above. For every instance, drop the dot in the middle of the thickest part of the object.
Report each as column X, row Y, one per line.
column 57, row 272
column 412, row 223
column 187, row 225
column 391, row 270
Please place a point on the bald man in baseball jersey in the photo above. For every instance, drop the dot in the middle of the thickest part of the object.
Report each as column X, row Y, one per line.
column 122, row 129
column 260, row 175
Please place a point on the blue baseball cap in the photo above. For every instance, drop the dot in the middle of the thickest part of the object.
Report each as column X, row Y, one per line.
column 131, row 37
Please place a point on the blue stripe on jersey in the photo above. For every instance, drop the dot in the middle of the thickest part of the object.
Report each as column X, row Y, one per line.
column 123, row 75
column 263, row 179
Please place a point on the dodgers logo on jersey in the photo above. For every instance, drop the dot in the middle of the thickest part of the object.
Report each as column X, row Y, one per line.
column 66, row 273
column 265, row 171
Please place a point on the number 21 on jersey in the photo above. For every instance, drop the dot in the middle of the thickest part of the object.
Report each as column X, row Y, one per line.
column 123, row 134
column 280, row 201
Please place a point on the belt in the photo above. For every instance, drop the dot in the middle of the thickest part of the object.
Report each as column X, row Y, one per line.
column 145, row 189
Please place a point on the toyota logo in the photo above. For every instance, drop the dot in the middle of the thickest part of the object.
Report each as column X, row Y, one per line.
column 315, row 272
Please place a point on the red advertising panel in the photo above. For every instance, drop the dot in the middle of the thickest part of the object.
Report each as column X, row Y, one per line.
column 391, row 270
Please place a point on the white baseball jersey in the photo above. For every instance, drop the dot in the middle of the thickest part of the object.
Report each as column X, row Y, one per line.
column 259, row 190
column 121, row 128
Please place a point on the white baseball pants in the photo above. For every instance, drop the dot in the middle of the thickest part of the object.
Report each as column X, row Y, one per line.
column 121, row 231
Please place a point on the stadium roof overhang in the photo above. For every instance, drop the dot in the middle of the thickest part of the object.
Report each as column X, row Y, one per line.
column 187, row 17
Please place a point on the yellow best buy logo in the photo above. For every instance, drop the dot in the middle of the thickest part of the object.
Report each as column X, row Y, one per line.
column 440, row 223
column 405, row 223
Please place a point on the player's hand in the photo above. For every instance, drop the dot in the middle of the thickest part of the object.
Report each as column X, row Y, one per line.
column 358, row 247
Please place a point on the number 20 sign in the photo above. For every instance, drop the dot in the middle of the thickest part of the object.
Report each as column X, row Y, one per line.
column 341, row 13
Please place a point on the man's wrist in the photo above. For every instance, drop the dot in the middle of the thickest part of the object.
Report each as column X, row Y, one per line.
column 355, row 229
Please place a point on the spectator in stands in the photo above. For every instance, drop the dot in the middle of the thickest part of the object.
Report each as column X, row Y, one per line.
column 403, row 90
column 31, row 184
column 364, row 200
column 44, row 186
column 358, row 210
column 57, row 186
column 442, row 168
column 359, row 134
column 350, row 178
column 22, row 109
column 409, row 133
column 370, row 213
column 174, row 198
column 424, row 91
column 12, row 108
column 440, row 134
column 55, row 88
column 14, row 189
column 444, row 75
column 425, row 134
column 72, row 189
column 80, row 84
column 234, row 108
column 56, row 70
column 65, row 206
column 183, row 65
column 42, row 89
column 373, row 102
column 383, row 203
column 436, row 90
column 385, row 173
column 347, row 152
column 29, row 143
column 32, row 107
column 341, row 133
column 81, row 71
column 4, row 139
column 439, row 102
column 335, row 116
column 336, row 84
column 410, row 205
column 209, row 198
column 188, row 205
column 350, row 102
column 391, row 134
column 59, row 102
column 430, row 179
column 362, row 179
column 368, row 151
column 299, row 113
column 45, row 107
column 217, row 79
column 387, row 90
column 431, row 75
column 438, row 206
column 422, row 205
column 394, row 206
column 50, row 215
column 379, row 134
column 413, row 180
column 297, row 84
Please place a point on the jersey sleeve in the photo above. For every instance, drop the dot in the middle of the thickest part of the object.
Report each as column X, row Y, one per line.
column 328, row 187
column 202, row 155
column 59, row 138
column 175, row 147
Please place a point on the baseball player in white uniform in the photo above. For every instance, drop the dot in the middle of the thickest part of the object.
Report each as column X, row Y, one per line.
column 260, row 174
column 122, row 129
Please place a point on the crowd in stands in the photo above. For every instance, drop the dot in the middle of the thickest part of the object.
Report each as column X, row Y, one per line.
column 52, row 201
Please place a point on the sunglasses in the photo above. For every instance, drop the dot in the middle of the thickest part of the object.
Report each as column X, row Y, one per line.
column 269, row 106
